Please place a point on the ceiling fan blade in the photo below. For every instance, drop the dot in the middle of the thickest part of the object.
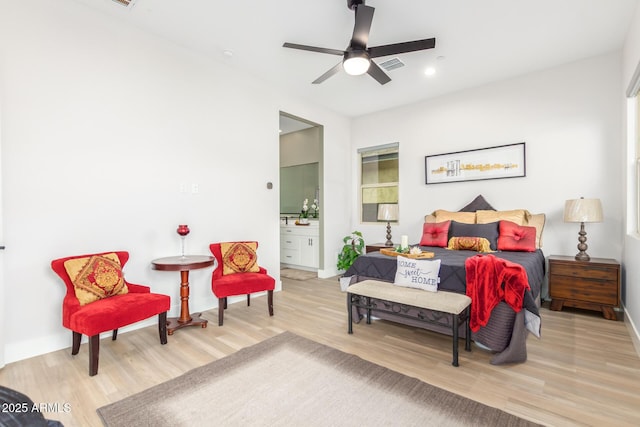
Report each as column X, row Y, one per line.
column 364, row 17
column 394, row 49
column 314, row 49
column 376, row 72
column 328, row 74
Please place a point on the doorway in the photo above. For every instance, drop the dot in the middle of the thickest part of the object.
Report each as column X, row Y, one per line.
column 301, row 177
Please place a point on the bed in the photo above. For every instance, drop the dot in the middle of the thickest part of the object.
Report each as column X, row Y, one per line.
column 506, row 331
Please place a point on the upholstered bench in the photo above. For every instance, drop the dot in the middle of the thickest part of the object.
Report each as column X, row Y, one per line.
column 396, row 300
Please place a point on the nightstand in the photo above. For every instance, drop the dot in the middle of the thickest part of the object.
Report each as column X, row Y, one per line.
column 591, row 285
column 376, row 247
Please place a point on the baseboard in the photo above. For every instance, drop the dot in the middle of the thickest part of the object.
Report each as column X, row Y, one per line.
column 298, row 267
column 633, row 331
column 15, row 352
column 327, row 273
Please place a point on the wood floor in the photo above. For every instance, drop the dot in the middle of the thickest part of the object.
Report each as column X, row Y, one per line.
column 584, row 370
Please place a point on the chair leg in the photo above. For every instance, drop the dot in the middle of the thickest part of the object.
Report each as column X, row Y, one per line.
column 162, row 327
column 94, row 352
column 270, row 302
column 115, row 335
column 222, row 303
column 225, row 303
column 248, row 300
column 77, row 337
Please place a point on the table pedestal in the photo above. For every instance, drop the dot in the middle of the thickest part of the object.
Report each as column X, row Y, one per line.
column 184, row 264
column 186, row 318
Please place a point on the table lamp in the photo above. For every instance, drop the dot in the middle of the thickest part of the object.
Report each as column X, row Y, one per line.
column 388, row 212
column 582, row 210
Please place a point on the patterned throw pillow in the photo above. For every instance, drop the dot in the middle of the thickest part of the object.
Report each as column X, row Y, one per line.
column 239, row 257
column 514, row 237
column 435, row 234
column 478, row 244
column 96, row 277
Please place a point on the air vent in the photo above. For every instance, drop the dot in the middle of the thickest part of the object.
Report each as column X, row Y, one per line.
column 391, row 64
column 126, row 3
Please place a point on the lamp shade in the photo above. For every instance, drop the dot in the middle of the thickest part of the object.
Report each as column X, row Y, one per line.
column 387, row 212
column 583, row 210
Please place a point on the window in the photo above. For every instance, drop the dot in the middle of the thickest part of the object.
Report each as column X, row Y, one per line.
column 379, row 176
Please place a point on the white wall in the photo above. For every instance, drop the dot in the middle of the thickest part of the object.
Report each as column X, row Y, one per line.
column 631, row 271
column 102, row 127
column 2, row 299
column 570, row 119
column 301, row 147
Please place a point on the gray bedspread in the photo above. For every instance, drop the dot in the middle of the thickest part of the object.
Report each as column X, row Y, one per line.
column 505, row 333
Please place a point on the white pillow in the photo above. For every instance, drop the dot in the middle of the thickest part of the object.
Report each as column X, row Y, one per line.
column 418, row 273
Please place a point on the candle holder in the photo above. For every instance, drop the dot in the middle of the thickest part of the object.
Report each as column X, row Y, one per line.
column 183, row 230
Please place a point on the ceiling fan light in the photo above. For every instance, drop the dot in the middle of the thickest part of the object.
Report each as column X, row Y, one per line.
column 356, row 65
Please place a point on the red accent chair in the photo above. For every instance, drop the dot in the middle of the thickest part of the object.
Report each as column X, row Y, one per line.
column 109, row 313
column 226, row 285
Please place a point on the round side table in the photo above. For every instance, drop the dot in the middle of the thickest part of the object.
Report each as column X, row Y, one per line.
column 184, row 264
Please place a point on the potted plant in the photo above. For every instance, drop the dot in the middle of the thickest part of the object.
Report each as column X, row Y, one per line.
column 352, row 249
column 304, row 213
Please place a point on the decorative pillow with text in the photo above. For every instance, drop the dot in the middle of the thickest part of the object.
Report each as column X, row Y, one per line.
column 418, row 273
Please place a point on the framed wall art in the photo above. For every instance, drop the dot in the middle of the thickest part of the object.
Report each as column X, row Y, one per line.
column 502, row 161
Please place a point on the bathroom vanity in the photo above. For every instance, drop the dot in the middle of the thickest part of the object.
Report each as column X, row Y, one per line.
column 300, row 245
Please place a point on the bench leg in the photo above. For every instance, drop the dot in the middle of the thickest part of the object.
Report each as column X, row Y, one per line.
column 467, row 342
column 455, row 339
column 349, row 308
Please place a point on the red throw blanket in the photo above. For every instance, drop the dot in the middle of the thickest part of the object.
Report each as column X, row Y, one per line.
column 490, row 280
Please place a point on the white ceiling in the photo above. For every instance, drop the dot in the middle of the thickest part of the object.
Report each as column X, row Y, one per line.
column 478, row 41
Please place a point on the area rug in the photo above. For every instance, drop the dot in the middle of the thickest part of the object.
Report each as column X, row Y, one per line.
column 292, row 273
column 288, row 380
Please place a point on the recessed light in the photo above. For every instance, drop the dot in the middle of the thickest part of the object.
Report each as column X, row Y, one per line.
column 228, row 53
column 430, row 71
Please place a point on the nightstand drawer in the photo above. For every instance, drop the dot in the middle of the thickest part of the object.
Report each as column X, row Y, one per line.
column 596, row 291
column 376, row 247
column 593, row 272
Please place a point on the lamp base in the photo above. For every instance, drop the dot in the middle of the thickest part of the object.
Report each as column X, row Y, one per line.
column 582, row 245
column 388, row 242
column 582, row 256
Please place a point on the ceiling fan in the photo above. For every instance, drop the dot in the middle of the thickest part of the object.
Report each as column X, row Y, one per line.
column 357, row 57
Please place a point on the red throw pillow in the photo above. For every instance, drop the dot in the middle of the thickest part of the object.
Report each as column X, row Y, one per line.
column 435, row 234
column 514, row 237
